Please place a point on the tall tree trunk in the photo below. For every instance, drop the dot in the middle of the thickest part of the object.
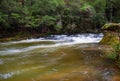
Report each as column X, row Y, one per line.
column 109, row 10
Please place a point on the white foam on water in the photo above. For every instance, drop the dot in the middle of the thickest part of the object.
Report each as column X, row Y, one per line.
column 27, row 41
column 81, row 38
column 6, row 76
column 10, row 51
column 61, row 41
column 17, row 72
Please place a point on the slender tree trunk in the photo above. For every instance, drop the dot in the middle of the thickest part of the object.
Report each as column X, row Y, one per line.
column 109, row 10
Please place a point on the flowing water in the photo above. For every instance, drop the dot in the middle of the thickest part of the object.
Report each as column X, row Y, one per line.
column 56, row 58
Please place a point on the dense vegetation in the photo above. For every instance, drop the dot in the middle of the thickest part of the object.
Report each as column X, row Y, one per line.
column 18, row 17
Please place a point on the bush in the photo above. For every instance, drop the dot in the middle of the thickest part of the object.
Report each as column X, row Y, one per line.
column 116, row 53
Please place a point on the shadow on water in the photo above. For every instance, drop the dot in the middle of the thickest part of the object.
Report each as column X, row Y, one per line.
column 56, row 62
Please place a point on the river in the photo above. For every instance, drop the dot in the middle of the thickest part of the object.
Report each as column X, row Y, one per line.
column 57, row 58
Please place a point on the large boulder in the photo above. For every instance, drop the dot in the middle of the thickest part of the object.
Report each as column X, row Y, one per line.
column 112, row 27
column 111, row 33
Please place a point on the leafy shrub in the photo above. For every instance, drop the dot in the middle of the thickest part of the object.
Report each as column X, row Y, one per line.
column 116, row 53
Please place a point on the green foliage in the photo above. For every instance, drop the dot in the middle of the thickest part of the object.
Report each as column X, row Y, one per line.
column 99, row 19
column 99, row 6
column 31, row 21
column 3, row 18
column 15, row 15
column 47, row 13
column 85, row 7
column 58, row 28
column 112, row 56
column 48, row 20
column 116, row 48
column 115, row 54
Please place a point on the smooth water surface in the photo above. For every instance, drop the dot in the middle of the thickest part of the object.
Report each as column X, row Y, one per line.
column 56, row 58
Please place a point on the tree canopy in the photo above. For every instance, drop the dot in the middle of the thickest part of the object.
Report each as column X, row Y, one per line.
column 55, row 16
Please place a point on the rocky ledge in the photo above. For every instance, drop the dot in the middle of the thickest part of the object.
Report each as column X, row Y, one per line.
column 111, row 34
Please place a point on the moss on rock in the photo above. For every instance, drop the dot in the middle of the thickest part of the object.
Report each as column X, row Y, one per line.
column 111, row 36
column 111, row 26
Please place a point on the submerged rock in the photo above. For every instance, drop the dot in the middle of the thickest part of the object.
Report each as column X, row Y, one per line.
column 111, row 33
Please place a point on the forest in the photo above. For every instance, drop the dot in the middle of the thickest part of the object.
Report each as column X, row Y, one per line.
column 24, row 17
